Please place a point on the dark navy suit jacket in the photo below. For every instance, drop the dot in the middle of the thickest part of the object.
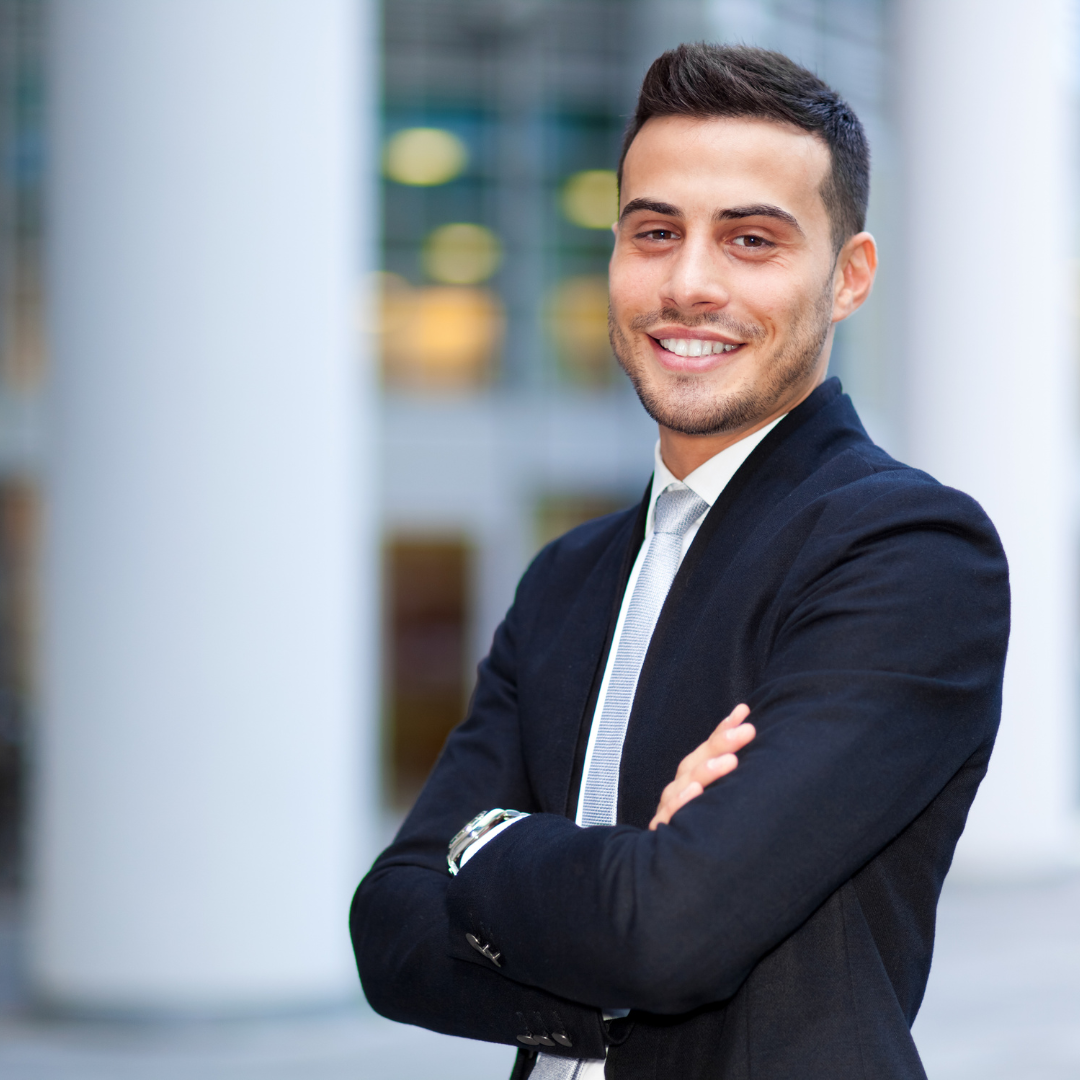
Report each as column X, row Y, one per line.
column 781, row 927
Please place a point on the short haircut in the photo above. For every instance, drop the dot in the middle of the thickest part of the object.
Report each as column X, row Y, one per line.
column 710, row 81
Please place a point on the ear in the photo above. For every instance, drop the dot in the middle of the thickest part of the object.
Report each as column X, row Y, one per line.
column 853, row 278
column 615, row 228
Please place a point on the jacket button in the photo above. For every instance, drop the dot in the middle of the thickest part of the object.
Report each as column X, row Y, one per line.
column 561, row 1038
column 486, row 951
column 528, row 1040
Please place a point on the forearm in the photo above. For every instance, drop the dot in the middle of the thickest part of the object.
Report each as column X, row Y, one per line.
column 559, row 904
column 669, row 920
column 401, row 936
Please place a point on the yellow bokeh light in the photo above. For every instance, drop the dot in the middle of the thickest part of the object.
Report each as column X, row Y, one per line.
column 461, row 254
column 591, row 199
column 577, row 317
column 424, row 157
column 441, row 337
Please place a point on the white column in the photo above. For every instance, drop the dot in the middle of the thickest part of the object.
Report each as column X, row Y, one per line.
column 987, row 109
column 204, row 761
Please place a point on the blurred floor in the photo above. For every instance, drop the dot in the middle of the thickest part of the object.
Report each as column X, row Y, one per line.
column 1003, row 1004
column 349, row 1047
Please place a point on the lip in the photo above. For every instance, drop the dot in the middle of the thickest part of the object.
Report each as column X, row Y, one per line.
column 700, row 335
column 692, row 365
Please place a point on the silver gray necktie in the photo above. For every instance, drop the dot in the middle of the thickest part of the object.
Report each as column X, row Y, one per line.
column 677, row 508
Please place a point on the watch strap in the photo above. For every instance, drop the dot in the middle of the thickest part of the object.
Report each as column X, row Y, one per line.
column 480, row 826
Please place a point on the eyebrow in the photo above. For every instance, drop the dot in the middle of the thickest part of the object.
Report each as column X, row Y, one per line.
column 666, row 209
column 733, row 213
column 758, row 210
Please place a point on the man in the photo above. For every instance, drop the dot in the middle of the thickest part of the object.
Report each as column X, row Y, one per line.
column 632, row 905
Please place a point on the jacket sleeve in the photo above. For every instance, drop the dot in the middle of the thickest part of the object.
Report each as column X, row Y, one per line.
column 399, row 921
column 883, row 677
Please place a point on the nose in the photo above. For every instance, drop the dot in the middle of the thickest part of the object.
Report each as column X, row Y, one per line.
column 696, row 282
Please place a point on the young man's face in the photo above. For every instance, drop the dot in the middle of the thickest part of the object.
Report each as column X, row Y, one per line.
column 724, row 279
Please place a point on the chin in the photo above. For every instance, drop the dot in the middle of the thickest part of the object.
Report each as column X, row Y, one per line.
column 700, row 410
column 694, row 404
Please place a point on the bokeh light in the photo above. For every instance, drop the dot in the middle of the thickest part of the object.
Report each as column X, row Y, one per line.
column 439, row 337
column 577, row 318
column 424, row 157
column 591, row 199
column 461, row 254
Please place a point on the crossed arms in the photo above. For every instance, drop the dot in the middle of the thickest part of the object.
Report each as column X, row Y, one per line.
column 862, row 717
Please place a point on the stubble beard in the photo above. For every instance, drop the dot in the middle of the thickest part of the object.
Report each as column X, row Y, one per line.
column 686, row 404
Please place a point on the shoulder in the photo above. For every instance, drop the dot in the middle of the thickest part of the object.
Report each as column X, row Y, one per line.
column 823, row 462
column 887, row 536
column 575, row 573
column 849, row 503
column 866, row 489
column 576, row 554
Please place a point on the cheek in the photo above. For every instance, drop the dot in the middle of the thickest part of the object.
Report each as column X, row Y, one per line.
column 630, row 284
column 770, row 298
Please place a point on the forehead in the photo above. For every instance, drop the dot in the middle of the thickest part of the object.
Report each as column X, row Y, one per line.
column 703, row 165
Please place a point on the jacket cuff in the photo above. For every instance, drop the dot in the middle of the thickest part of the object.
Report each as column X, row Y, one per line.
column 546, row 1022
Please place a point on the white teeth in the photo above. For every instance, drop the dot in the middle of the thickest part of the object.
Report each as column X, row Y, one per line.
column 695, row 346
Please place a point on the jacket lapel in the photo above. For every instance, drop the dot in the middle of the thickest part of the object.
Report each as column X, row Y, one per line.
column 570, row 666
column 630, row 549
column 816, row 430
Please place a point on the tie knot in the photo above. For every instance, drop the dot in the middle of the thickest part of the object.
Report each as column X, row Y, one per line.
column 677, row 508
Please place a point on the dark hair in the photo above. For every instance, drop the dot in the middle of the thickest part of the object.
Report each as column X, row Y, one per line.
column 706, row 81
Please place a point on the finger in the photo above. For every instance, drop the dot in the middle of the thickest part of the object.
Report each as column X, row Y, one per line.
column 673, row 789
column 724, row 759
column 713, row 769
column 708, row 762
column 724, row 740
column 677, row 797
column 715, row 741
column 691, row 791
column 733, row 739
column 667, row 809
column 672, row 801
column 735, row 717
column 707, row 771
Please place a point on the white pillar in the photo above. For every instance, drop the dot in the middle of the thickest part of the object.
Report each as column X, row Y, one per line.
column 203, row 762
column 986, row 101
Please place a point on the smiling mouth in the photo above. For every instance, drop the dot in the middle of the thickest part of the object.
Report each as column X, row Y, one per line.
column 696, row 346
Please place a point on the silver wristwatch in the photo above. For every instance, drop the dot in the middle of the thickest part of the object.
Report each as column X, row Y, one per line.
column 480, row 826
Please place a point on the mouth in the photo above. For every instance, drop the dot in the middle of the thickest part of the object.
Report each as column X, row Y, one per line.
column 694, row 354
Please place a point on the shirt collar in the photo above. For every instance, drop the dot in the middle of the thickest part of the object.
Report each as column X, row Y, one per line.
column 710, row 478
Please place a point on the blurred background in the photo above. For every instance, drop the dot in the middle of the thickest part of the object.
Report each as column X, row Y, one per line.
column 303, row 356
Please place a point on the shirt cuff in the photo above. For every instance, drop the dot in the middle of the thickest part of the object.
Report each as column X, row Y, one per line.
column 472, row 849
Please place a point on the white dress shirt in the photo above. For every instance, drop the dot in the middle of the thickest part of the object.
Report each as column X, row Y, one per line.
column 707, row 481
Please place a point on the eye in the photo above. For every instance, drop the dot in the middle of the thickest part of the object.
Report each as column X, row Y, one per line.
column 657, row 234
column 752, row 242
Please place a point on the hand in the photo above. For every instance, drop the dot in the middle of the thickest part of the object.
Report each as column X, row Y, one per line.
column 714, row 758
